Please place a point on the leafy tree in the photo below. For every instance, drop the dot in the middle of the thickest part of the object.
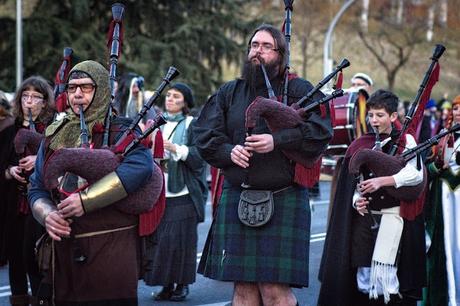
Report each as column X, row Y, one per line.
column 194, row 36
column 390, row 42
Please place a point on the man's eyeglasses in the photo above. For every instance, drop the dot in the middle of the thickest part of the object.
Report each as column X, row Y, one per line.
column 35, row 99
column 86, row 88
column 265, row 47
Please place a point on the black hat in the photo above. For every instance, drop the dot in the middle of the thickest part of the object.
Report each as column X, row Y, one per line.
column 186, row 91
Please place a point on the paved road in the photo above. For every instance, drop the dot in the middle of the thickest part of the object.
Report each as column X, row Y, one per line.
column 207, row 292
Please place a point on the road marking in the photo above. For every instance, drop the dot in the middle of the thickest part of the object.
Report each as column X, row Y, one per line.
column 7, row 291
column 323, row 202
column 317, row 235
column 316, row 240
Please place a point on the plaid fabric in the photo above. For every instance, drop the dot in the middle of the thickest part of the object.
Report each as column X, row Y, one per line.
column 276, row 252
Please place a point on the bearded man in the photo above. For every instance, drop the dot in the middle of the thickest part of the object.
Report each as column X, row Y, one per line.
column 264, row 261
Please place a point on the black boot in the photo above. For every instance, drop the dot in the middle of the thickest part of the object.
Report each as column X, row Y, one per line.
column 180, row 293
column 165, row 293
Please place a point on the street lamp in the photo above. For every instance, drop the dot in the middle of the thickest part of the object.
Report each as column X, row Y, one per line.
column 327, row 54
column 18, row 43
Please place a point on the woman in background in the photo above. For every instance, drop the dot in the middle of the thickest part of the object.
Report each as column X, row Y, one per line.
column 443, row 219
column 32, row 109
column 172, row 248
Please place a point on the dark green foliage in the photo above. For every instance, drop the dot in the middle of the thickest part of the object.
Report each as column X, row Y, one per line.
column 194, row 36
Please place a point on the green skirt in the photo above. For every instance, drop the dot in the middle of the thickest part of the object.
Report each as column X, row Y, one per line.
column 274, row 253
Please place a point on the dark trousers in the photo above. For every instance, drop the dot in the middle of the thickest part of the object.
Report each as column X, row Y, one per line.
column 23, row 232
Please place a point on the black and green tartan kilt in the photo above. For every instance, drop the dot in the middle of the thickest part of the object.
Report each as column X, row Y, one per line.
column 277, row 252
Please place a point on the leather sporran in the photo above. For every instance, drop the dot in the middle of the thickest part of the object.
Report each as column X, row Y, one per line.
column 255, row 207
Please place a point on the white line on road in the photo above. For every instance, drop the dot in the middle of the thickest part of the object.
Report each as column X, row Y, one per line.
column 6, row 290
column 317, row 235
column 313, row 202
column 316, row 240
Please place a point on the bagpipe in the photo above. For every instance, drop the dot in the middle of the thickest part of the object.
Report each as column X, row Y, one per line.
column 100, row 162
column 389, row 164
column 27, row 141
column 382, row 164
column 281, row 116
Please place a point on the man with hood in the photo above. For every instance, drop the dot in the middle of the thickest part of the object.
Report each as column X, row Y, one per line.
column 95, row 243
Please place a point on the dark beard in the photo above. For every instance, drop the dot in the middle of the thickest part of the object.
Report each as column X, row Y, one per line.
column 254, row 76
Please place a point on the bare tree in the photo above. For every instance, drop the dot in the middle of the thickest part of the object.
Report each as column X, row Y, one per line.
column 391, row 44
column 310, row 24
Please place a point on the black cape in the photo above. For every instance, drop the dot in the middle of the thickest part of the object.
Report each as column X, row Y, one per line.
column 337, row 277
column 7, row 187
